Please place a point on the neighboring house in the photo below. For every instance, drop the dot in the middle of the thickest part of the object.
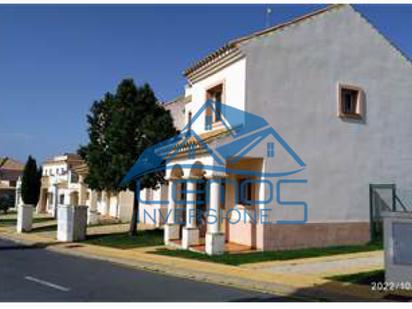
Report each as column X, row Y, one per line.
column 63, row 183
column 10, row 171
column 333, row 103
column 101, row 204
column 60, row 183
column 177, row 110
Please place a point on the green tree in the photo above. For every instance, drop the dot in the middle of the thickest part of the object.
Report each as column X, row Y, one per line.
column 2, row 162
column 97, row 152
column 121, row 127
column 31, row 182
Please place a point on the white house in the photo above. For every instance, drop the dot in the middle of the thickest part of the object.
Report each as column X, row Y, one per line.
column 63, row 183
column 60, row 184
column 332, row 100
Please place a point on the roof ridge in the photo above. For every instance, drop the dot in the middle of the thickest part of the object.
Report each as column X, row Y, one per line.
column 234, row 43
column 288, row 23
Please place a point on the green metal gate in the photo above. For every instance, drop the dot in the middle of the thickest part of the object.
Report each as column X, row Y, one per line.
column 382, row 197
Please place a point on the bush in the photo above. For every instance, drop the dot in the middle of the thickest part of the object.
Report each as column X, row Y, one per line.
column 6, row 202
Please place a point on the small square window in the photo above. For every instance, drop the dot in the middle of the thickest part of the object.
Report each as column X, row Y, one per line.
column 350, row 102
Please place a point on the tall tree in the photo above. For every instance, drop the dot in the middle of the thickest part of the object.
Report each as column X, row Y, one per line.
column 120, row 129
column 97, row 152
column 31, row 182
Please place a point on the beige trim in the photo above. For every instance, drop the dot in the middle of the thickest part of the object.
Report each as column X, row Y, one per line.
column 215, row 66
column 217, row 124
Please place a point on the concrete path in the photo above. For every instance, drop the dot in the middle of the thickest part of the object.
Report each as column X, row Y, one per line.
column 325, row 266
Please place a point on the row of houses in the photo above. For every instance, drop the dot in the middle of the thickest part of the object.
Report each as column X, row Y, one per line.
column 306, row 116
column 63, row 183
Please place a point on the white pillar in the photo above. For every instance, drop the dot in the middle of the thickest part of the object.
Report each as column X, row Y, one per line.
column 92, row 215
column 190, row 235
column 24, row 218
column 215, row 241
column 191, row 204
column 171, row 228
column 55, row 200
column 71, row 223
column 106, row 203
column 18, row 193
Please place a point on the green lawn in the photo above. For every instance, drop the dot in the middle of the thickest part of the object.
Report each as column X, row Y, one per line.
column 255, row 257
column 145, row 238
column 364, row 278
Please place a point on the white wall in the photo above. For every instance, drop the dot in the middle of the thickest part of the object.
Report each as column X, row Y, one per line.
column 292, row 78
column 233, row 77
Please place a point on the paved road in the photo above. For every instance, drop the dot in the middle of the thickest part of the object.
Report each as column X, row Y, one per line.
column 35, row 274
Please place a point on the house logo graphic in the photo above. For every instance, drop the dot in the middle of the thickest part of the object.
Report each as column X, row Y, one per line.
column 230, row 139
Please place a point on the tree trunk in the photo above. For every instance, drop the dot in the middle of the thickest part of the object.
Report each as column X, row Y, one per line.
column 133, row 222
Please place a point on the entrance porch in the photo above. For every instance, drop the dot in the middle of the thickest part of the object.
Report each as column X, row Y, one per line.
column 204, row 206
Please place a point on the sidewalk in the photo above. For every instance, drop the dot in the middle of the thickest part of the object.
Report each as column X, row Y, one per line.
column 267, row 277
column 341, row 264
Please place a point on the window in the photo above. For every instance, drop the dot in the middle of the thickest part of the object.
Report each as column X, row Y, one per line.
column 74, row 177
column 350, row 102
column 270, row 150
column 61, row 199
column 244, row 191
column 214, row 115
column 192, row 151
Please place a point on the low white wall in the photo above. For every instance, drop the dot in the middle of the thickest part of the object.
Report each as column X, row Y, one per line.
column 398, row 249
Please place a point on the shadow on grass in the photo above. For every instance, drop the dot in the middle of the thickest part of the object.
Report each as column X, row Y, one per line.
column 46, row 228
column 13, row 221
column 363, row 278
column 146, row 238
column 265, row 256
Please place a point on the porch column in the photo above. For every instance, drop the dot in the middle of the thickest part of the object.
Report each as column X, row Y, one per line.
column 55, row 204
column 82, row 191
column 190, row 235
column 171, row 228
column 106, row 203
column 215, row 240
column 92, row 215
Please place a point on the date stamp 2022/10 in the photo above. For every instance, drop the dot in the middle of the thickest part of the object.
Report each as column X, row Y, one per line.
column 391, row 286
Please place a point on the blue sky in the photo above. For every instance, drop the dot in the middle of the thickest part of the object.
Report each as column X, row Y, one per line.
column 55, row 60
